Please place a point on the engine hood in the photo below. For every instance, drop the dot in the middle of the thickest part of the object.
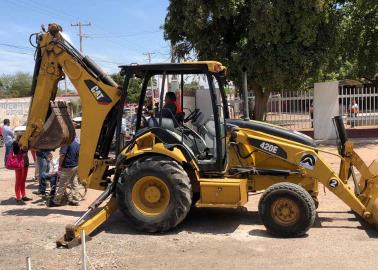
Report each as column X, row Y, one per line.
column 274, row 130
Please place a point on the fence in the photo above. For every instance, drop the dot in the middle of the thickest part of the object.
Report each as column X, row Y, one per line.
column 358, row 105
column 292, row 109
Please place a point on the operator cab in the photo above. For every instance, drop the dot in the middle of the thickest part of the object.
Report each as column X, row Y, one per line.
column 185, row 107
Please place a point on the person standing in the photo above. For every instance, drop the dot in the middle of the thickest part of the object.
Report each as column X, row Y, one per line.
column 354, row 111
column 311, row 109
column 68, row 162
column 42, row 167
column 8, row 137
column 21, row 173
column 36, row 170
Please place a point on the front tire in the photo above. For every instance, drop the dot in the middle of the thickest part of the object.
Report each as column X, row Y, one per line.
column 154, row 193
column 287, row 210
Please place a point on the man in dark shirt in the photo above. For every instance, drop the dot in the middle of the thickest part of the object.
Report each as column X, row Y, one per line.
column 169, row 108
column 68, row 161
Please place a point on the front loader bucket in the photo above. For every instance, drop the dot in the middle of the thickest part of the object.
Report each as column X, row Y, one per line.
column 57, row 131
column 373, row 168
column 370, row 194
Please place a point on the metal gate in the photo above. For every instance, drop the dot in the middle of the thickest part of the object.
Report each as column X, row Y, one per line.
column 358, row 105
column 291, row 109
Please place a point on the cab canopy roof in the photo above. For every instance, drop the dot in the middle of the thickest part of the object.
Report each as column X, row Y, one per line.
column 186, row 68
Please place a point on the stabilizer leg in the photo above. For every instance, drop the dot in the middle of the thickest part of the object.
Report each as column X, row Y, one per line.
column 72, row 235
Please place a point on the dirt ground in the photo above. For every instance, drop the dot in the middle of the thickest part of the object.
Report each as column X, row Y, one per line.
column 207, row 239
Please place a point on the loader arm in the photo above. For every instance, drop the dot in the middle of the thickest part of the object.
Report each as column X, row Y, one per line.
column 48, row 126
column 311, row 164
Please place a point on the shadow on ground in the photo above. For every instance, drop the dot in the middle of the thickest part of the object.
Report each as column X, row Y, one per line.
column 10, row 201
column 36, row 211
column 226, row 221
column 32, row 185
column 199, row 220
column 363, row 225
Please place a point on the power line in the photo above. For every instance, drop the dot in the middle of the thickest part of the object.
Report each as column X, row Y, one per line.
column 123, row 35
column 24, row 53
column 106, row 61
column 61, row 14
column 35, row 8
column 16, row 46
column 81, row 34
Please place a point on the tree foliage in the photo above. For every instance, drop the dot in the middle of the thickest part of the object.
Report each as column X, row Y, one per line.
column 191, row 88
column 280, row 43
column 17, row 85
column 357, row 50
column 133, row 91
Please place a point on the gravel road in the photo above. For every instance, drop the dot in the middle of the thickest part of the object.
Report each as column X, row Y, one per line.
column 207, row 239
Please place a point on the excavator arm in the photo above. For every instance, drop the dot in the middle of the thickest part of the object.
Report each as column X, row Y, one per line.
column 49, row 125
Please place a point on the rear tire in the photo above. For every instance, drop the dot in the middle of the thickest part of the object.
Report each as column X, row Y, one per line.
column 287, row 210
column 154, row 193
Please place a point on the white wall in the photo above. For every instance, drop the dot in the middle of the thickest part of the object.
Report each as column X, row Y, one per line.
column 326, row 106
column 17, row 109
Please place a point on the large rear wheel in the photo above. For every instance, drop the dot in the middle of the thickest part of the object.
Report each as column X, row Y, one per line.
column 154, row 193
column 287, row 210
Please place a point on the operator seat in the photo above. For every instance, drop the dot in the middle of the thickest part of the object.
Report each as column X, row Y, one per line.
column 166, row 123
column 188, row 137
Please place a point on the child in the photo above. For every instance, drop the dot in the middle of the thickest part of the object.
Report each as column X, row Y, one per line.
column 51, row 174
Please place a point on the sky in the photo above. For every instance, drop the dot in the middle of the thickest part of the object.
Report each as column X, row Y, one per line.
column 121, row 32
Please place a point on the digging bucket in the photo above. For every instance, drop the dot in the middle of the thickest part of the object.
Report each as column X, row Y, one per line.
column 57, row 131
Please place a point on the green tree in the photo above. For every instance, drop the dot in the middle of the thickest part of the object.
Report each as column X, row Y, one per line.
column 358, row 42
column 17, row 85
column 280, row 43
column 191, row 88
column 354, row 54
column 133, row 91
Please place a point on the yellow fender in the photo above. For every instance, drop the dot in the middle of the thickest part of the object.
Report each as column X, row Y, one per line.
column 147, row 145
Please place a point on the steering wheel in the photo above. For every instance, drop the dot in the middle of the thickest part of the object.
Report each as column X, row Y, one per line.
column 192, row 115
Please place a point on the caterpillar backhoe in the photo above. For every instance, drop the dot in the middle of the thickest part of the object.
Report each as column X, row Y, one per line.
column 203, row 159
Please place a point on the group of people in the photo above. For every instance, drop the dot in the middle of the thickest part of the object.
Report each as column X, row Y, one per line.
column 60, row 172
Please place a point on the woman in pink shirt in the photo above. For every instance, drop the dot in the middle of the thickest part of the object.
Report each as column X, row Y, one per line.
column 21, row 174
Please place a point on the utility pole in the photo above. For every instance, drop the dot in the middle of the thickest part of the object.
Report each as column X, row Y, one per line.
column 149, row 58
column 173, row 81
column 81, row 34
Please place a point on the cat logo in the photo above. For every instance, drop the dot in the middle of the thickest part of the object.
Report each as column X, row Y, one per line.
column 308, row 161
column 99, row 94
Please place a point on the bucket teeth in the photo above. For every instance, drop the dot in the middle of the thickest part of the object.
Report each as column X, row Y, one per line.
column 57, row 131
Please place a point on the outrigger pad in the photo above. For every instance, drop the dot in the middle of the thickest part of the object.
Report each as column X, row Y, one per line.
column 69, row 240
column 57, row 131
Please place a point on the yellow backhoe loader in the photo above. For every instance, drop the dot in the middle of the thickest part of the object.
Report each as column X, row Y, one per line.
column 175, row 162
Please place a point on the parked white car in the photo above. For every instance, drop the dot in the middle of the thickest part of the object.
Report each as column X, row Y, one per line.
column 77, row 121
column 19, row 130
